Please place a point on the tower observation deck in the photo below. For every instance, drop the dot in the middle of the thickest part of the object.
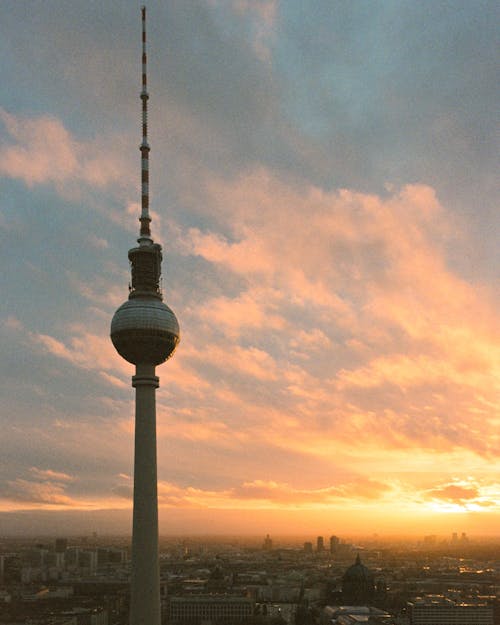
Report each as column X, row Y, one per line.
column 145, row 332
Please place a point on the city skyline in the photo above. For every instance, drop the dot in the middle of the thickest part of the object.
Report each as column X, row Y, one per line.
column 324, row 187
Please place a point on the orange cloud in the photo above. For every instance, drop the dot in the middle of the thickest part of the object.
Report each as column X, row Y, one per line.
column 280, row 493
column 459, row 496
column 454, row 492
column 268, row 494
column 37, row 493
column 374, row 346
column 48, row 474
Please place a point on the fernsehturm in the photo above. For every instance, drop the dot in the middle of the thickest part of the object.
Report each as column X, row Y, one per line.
column 145, row 331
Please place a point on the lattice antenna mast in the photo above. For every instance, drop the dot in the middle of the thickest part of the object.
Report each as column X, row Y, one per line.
column 145, row 219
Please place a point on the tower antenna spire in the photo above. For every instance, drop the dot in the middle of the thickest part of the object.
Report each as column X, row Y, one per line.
column 145, row 219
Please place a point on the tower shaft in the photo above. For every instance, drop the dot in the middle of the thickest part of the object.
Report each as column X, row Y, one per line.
column 145, row 587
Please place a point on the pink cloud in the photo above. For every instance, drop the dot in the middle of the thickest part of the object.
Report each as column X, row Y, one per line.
column 85, row 350
column 41, row 150
column 250, row 361
column 251, row 309
column 245, row 256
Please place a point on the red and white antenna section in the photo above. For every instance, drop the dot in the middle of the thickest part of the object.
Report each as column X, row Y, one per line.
column 145, row 219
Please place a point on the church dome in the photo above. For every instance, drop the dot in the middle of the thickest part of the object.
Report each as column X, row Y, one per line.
column 358, row 572
column 358, row 584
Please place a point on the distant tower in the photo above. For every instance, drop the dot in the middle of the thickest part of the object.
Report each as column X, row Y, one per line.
column 145, row 332
column 268, row 543
column 320, row 544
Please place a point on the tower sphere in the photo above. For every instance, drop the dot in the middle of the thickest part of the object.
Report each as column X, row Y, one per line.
column 145, row 331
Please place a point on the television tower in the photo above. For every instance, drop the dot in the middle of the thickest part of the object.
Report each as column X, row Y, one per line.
column 145, row 332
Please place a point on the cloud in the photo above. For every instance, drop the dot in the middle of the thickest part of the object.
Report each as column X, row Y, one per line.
column 85, row 350
column 250, row 361
column 107, row 289
column 313, row 335
column 469, row 494
column 244, row 257
column 123, row 490
column 97, row 242
column 251, row 309
column 270, row 494
column 49, row 474
column 12, row 323
column 45, row 487
column 281, row 493
column 334, row 287
column 37, row 493
column 455, row 493
column 40, row 150
column 260, row 17
column 326, row 331
column 113, row 380
column 264, row 14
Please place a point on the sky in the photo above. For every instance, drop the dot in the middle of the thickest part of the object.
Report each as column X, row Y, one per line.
column 323, row 182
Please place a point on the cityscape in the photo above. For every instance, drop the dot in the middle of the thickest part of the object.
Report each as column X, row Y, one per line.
column 322, row 219
column 452, row 579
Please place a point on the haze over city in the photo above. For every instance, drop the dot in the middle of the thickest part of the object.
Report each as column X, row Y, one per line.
column 323, row 183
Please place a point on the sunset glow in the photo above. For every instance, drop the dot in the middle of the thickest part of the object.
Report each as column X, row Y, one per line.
column 324, row 190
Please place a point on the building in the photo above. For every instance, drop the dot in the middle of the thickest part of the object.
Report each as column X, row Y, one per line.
column 217, row 608
column 320, row 544
column 334, row 544
column 358, row 584
column 439, row 610
column 268, row 543
column 355, row 615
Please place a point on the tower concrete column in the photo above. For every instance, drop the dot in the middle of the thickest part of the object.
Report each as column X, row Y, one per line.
column 145, row 588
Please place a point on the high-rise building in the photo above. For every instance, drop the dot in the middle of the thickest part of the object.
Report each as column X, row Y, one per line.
column 320, row 544
column 145, row 332
column 334, row 544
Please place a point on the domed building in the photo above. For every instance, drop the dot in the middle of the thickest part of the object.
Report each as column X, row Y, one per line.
column 358, row 584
